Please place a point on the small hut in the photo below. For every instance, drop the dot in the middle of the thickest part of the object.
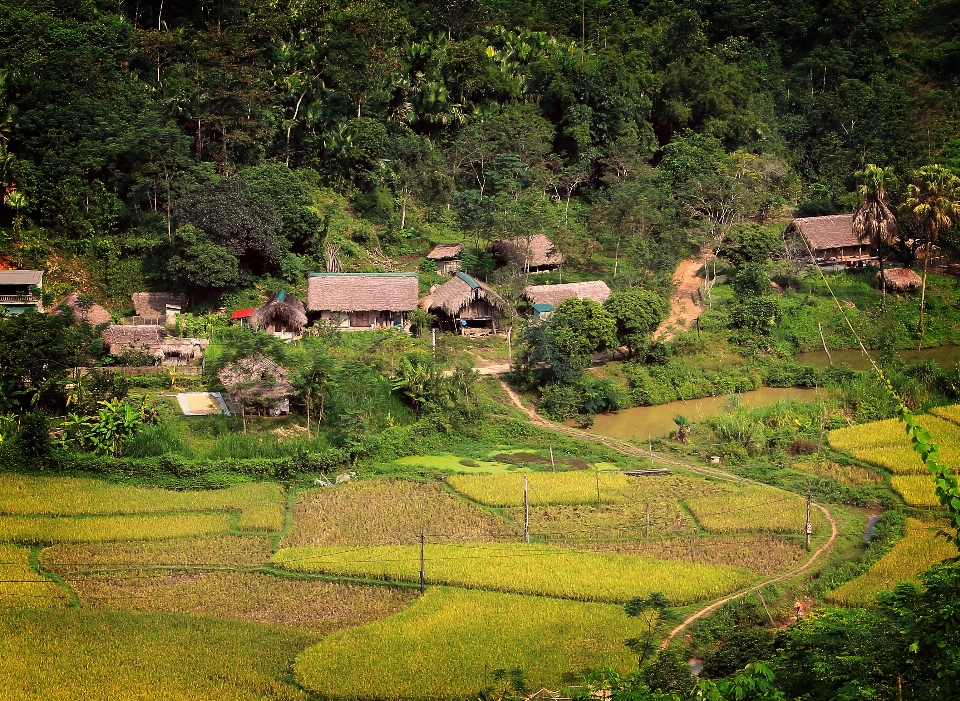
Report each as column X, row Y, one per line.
column 256, row 383
column 831, row 239
column 466, row 306
column 93, row 314
column 531, row 253
column 553, row 295
column 145, row 339
column 283, row 316
column 447, row 257
column 158, row 307
column 901, row 279
column 242, row 315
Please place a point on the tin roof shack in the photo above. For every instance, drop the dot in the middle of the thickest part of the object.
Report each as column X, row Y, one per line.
column 84, row 310
column 530, row 253
column 256, row 384
column 830, row 239
column 20, row 290
column 466, row 306
column 447, row 257
column 541, row 311
column 356, row 301
column 242, row 315
column 553, row 295
column 283, row 316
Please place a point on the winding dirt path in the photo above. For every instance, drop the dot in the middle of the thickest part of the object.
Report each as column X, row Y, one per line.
column 634, row 451
column 684, row 305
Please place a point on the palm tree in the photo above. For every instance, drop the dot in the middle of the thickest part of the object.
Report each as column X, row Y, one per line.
column 874, row 221
column 932, row 199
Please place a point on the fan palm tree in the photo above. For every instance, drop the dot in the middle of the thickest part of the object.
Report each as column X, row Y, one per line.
column 933, row 198
column 874, row 221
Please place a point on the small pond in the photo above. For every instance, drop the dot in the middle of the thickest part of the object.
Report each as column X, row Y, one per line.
column 944, row 356
column 656, row 421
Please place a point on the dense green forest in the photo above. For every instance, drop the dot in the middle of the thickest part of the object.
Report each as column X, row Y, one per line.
column 170, row 143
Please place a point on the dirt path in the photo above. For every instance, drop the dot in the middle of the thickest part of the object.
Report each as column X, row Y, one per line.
column 634, row 451
column 684, row 305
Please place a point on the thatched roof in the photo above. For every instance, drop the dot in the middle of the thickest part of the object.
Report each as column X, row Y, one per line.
column 596, row 290
column 94, row 316
column 146, row 338
column 362, row 292
column 457, row 292
column 283, row 307
column 152, row 304
column 834, row 231
column 445, row 251
column 536, row 251
column 901, row 279
column 258, row 377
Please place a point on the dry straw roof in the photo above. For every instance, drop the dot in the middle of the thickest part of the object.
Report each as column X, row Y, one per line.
column 536, row 251
column 266, row 379
column 283, row 307
column 900, row 279
column 596, row 290
column 834, row 231
column 151, row 304
column 457, row 292
column 94, row 316
column 445, row 251
column 143, row 337
column 362, row 292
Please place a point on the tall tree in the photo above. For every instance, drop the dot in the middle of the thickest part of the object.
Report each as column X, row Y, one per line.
column 873, row 219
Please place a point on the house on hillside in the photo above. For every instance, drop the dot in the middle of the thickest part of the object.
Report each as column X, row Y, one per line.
column 257, row 384
column 553, row 295
column 447, row 257
column 152, row 343
column 530, row 253
column 283, row 315
column 20, row 290
column 354, row 301
column 93, row 314
column 830, row 239
column 158, row 307
column 466, row 306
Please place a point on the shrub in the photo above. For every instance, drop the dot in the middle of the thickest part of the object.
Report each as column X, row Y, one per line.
column 33, row 444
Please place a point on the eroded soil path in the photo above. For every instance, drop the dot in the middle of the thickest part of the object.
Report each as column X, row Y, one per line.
column 684, row 306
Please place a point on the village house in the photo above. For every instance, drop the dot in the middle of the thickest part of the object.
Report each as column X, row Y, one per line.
column 553, row 295
column 831, row 239
column 283, row 315
column 355, row 301
column 152, row 343
column 529, row 253
column 93, row 314
column 20, row 290
column 243, row 316
column 447, row 257
column 466, row 306
column 158, row 307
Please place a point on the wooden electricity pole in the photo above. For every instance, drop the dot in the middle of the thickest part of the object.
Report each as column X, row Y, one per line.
column 423, row 579
column 809, row 525
column 526, row 512
column 598, row 486
column 648, row 519
column 553, row 465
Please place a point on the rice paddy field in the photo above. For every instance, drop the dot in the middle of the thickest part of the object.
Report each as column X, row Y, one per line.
column 919, row 549
column 86, row 529
column 22, row 586
column 753, row 509
column 916, row 490
column 851, row 475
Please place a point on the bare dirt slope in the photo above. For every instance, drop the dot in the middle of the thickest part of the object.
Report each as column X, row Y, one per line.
column 684, row 308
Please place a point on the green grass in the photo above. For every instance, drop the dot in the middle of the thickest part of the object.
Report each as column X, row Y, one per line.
column 453, row 463
column 46, row 529
column 525, row 569
column 446, row 645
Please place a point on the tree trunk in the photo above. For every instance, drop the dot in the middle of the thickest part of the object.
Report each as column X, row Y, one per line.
column 243, row 414
column 308, row 418
column 883, row 285
column 923, row 294
column 616, row 259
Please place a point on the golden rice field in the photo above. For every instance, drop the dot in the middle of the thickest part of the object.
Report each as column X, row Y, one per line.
column 916, row 490
column 213, row 551
column 919, row 549
column 753, row 509
column 23, row 587
column 116, row 656
column 446, row 643
column 387, row 511
column 853, row 475
column 762, row 554
column 260, row 504
column 620, row 520
column 315, row 606
column 891, row 432
column 950, row 413
column 45, row 529
column 545, row 570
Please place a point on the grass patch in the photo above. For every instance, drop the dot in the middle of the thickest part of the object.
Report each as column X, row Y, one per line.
column 23, row 587
column 446, row 644
column 45, row 529
column 384, row 511
column 753, row 509
column 524, row 569
column 111, row 656
column 917, row 490
column 915, row 553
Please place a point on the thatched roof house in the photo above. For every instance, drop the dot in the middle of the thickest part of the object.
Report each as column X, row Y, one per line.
column 464, row 303
column 257, row 382
column 362, row 300
column 447, row 257
column 530, row 253
column 283, row 315
column 156, row 305
column 901, row 279
column 140, row 338
column 831, row 238
column 553, row 295
column 94, row 315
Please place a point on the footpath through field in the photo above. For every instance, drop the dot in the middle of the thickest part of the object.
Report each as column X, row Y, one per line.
column 635, row 451
column 684, row 305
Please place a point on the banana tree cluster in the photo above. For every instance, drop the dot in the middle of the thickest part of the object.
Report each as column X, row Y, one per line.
column 116, row 422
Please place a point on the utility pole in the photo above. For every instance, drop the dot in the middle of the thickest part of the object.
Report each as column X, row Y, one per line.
column 650, row 445
column 433, row 342
column 553, row 465
column 648, row 519
column 598, row 486
column 510, row 347
column 526, row 512
column 423, row 578
column 809, row 525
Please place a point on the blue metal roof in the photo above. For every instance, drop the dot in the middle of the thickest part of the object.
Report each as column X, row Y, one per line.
column 543, row 307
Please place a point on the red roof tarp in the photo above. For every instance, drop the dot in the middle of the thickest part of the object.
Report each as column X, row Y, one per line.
column 242, row 313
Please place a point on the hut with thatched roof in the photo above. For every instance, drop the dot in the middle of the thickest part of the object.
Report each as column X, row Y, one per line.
column 257, row 384
column 283, row 315
column 831, row 239
column 158, row 307
column 553, row 295
column 530, row 253
column 152, row 343
column 84, row 310
column 466, row 306
column 447, row 257
column 355, row 301
column 901, row 279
